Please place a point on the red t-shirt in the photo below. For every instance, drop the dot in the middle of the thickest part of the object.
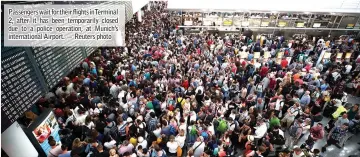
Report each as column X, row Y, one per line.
column 185, row 84
column 243, row 63
column 284, row 63
column 272, row 83
column 264, row 70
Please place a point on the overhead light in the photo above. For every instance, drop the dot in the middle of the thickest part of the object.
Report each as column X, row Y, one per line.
column 306, row 12
column 333, row 13
column 273, row 11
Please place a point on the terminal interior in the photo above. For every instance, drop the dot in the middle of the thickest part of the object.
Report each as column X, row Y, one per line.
column 230, row 32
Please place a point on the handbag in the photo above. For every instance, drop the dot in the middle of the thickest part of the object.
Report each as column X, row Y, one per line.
column 178, row 151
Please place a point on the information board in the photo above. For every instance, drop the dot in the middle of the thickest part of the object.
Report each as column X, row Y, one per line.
column 56, row 62
column 300, row 24
column 20, row 84
column 90, row 50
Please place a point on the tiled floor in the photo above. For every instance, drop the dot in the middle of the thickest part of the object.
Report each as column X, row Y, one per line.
column 350, row 147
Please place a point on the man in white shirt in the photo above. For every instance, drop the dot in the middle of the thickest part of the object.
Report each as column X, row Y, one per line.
column 114, row 90
column 260, row 131
column 265, row 82
column 348, row 68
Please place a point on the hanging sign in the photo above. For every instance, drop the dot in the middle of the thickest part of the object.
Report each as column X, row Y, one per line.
column 188, row 23
column 327, row 55
column 300, row 24
column 348, row 55
column 282, row 24
column 227, row 22
column 264, row 24
column 350, row 26
column 256, row 55
column 207, row 23
column 317, row 25
column 245, row 23
column 267, row 54
column 339, row 55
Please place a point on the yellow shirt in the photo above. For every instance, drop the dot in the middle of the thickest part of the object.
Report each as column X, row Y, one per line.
column 133, row 141
column 182, row 100
column 338, row 111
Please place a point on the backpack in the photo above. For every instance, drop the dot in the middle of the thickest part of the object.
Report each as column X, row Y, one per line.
column 205, row 135
column 286, row 53
column 154, row 154
column 152, row 124
column 222, row 126
column 293, row 130
column 170, row 107
column 277, row 139
column 172, row 130
column 193, row 130
column 113, row 133
column 178, row 104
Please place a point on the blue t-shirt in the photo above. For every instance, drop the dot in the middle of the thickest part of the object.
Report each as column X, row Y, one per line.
column 66, row 154
column 250, row 56
column 147, row 76
column 133, row 67
column 178, row 42
column 86, row 81
column 93, row 71
column 219, row 58
column 323, row 87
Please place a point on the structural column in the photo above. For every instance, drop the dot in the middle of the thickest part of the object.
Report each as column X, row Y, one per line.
column 139, row 15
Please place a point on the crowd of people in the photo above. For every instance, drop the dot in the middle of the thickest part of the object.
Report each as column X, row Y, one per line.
column 171, row 94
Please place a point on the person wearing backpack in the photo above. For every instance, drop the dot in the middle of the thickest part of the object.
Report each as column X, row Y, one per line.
column 152, row 122
column 295, row 132
column 193, row 132
column 277, row 136
column 232, row 124
column 156, row 151
column 111, row 129
column 121, row 128
column 290, row 115
column 222, row 127
column 180, row 101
